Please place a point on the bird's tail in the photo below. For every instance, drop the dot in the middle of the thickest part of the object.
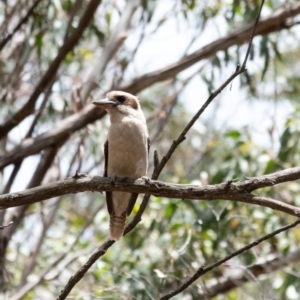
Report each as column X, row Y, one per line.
column 117, row 225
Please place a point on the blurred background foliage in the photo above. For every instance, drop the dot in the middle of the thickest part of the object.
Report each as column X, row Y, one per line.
column 250, row 130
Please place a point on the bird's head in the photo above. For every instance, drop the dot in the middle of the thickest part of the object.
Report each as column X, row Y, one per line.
column 118, row 101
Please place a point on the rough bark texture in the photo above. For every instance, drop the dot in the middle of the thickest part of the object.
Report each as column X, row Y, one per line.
column 236, row 191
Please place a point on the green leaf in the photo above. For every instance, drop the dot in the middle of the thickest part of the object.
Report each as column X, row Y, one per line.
column 99, row 34
column 108, row 16
column 264, row 51
column 270, row 166
column 234, row 134
column 191, row 4
column 284, row 149
column 277, row 53
column 170, row 210
column 216, row 61
column 39, row 44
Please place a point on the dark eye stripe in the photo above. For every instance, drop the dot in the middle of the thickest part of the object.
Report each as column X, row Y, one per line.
column 121, row 98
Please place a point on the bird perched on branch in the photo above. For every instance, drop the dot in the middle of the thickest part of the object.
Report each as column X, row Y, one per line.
column 126, row 153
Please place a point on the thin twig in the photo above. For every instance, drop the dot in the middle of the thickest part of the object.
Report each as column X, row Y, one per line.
column 252, row 35
column 19, row 25
column 18, row 164
column 239, row 70
column 80, row 273
column 172, row 102
column 74, row 10
column 203, row 270
column 234, row 280
column 42, row 276
column 4, row 226
column 71, row 42
column 40, row 171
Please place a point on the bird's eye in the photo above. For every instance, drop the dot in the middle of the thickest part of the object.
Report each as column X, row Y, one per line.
column 121, row 98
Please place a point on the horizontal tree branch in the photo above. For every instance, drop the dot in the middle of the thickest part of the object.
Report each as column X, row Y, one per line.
column 275, row 22
column 239, row 191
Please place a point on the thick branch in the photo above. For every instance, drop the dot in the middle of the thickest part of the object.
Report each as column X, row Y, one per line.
column 239, row 191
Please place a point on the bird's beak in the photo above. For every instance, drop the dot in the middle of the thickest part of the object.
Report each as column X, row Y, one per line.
column 104, row 103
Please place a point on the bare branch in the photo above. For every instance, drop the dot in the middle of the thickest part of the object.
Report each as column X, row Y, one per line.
column 235, row 280
column 239, row 191
column 80, row 273
column 31, row 260
column 19, row 25
column 36, row 180
column 18, row 164
column 252, row 35
column 4, row 226
column 31, row 285
column 159, row 167
column 28, row 108
column 95, row 183
column 74, row 10
column 203, row 270
column 8, row 17
column 101, row 251
column 18, row 215
column 65, row 128
column 275, row 22
column 114, row 42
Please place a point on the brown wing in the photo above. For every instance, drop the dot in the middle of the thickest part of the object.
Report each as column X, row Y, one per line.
column 135, row 195
column 109, row 201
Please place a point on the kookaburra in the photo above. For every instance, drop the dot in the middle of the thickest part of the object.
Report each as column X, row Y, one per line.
column 126, row 153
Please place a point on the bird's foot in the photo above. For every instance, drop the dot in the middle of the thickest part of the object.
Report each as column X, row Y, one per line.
column 147, row 179
column 79, row 175
column 113, row 179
